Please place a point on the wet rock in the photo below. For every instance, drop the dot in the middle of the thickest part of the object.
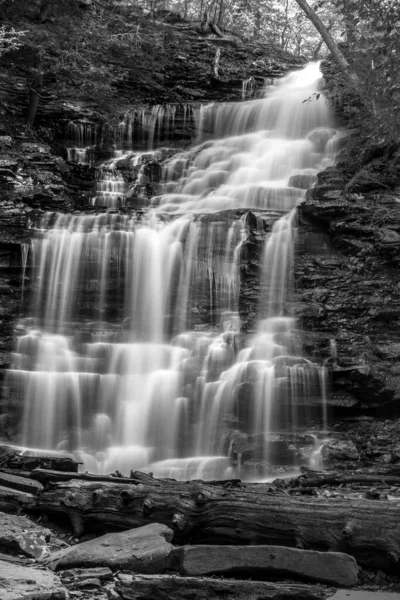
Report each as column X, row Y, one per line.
column 346, row 248
column 22, row 536
column 301, row 181
column 102, row 573
column 342, row 450
column 20, row 483
column 143, row 550
column 333, row 568
column 165, row 587
column 89, row 583
column 5, row 142
column 29, row 583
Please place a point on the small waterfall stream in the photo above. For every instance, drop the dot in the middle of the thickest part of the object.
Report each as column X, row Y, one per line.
column 131, row 356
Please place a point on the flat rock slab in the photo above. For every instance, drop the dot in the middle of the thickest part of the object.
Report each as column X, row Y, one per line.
column 164, row 587
column 364, row 595
column 21, row 535
column 142, row 550
column 22, row 484
column 29, row 583
column 334, row 568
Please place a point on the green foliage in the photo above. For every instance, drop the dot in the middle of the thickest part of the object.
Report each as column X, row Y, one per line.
column 374, row 49
column 278, row 22
column 371, row 31
column 10, row 39
column 84, row 51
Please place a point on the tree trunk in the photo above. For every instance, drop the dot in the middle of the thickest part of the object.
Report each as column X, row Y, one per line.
column 221, row 13
column 285, row 27
column 204, row 23
column 44, row 11
column 35, row 85
column 227, row 513
column 257, row 23
column 216, row 62
column 326, row 36
column 320, row 43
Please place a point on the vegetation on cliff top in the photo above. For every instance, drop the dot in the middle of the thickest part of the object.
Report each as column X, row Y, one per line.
column 108, row 52
column 99, row 49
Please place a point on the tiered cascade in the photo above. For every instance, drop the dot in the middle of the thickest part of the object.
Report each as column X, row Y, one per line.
column 131, row 356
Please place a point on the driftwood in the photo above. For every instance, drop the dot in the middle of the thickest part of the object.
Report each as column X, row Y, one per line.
column 12, row 458
column 227, row 513
column 313, row 479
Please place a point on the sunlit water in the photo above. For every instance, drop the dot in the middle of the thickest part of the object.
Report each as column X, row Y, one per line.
column 131, row 357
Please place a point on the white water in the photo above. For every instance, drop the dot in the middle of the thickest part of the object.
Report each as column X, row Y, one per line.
column 130, row 357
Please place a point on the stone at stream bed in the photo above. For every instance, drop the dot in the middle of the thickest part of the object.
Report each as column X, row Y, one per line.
column 29, row 583
column 102, row 573
column 334, row 568
column 164, row 587
column 22, row 536
column 143, row 550
column 342, row 450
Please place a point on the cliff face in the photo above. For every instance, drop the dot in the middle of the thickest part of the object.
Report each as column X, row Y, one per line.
column 347, row 283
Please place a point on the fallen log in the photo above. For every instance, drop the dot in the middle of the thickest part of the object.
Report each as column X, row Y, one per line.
column 164, row 587
column 202, row 513
column 321, row 479
column 12, row 457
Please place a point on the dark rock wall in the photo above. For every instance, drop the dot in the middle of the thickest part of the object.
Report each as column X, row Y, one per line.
column 347, row 281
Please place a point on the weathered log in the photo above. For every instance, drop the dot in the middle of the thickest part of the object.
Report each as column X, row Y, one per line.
column 46, row 476
column 341, row 479
column 202, row 513
column 164, row 587
column 12, row 458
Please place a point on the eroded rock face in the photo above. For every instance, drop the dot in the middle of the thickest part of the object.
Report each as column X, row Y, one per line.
column 347, row 263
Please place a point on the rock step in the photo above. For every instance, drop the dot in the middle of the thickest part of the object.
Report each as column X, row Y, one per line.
column 28, row 583
column 165, row 587
column 334, row 568
column 20, row 483
column 141, row 550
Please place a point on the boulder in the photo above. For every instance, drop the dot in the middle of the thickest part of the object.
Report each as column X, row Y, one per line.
column 334, row 568
column 22, row 536
column 142, row 550
column 5, row 142
column 342, row 450
column 29, row 583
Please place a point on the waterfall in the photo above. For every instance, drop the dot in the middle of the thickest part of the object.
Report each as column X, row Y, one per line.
column 131, row 355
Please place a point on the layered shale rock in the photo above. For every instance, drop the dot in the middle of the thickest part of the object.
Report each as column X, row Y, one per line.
column 347, row 269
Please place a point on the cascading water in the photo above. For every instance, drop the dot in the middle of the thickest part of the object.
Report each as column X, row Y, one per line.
column 83, row 136
column 130, row 357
